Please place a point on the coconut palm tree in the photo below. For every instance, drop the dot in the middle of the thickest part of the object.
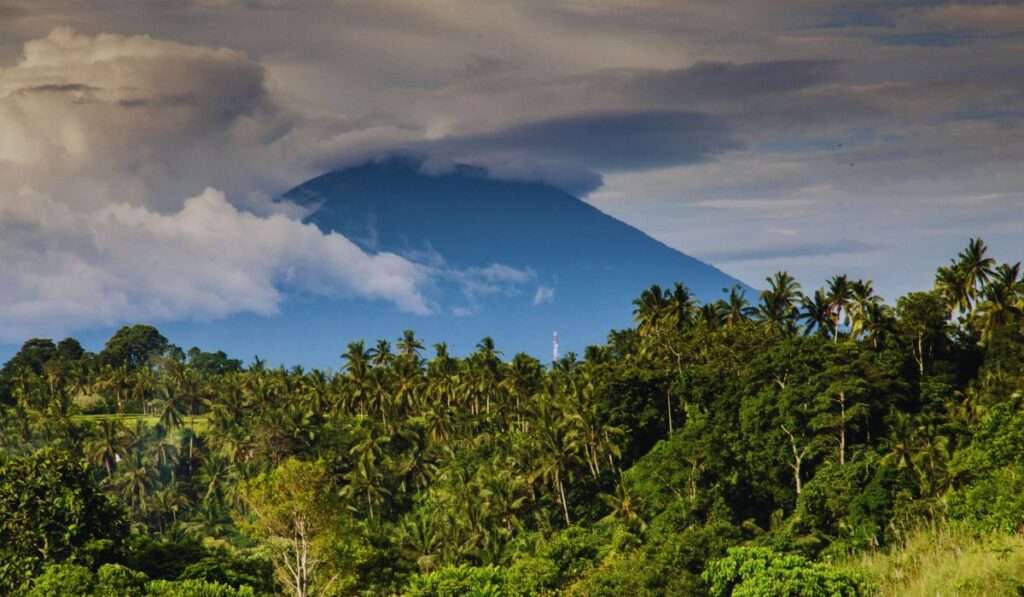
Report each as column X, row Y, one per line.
column 682, row 305
column 976, row 266
column 840, row 293
column 737, row 308
column 108, row 445
column 650, row 308
column 778, row 307
column 171, row 407
column 381, row 355
column 863, row 297
column 816, row 313
column 951, row 284
column 409, row 346
column 1001, row 299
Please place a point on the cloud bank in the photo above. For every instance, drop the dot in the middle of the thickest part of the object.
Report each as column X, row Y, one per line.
column 66, row 268
column 106, row 139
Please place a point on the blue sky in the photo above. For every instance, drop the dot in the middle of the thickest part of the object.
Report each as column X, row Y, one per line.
column 868, row 138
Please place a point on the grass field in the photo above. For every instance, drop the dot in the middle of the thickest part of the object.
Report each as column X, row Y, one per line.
column 131, row 419
column 946, row 562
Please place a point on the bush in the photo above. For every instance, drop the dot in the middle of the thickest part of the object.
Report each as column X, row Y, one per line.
column 51, row 511
column 114, row 580
column 995, row 503
column 459, row 581
column 59, row 580
column 195, row 588
column 762, row 572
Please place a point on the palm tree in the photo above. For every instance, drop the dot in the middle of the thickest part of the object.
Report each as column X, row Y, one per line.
column 681, row 305
column 135, row 481
column 777, row 309
column 817, row 314
column 366, row 479
column 409, row 345
column 879, row 322
column 163, row 453
column 108, row 445
column 951, row 284
column 1001, row 299
column 485, row 376
column 976, row 266
column 171, row 408
column 650, row 308
column 357, row 371
column 380, row 355
column 840, row 293
column 713, row 314
column 624, row 507
column 737, row 309
column 554, row 450
column 420, row 538
column 863, row 298
column 168, row 501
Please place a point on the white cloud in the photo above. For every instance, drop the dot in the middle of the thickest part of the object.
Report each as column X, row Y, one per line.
column 543, row 295
column 65, row 268
column 97, row 119
column 108, row 144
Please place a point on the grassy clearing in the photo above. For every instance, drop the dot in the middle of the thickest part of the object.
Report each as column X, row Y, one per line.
column 131, row 419
column 945, row 562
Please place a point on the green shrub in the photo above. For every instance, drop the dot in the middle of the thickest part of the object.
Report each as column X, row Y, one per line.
column 762, row 572
column 994, row 503
column 114, row 580
column 60, row 580
column 460, row 581
column 195, row 588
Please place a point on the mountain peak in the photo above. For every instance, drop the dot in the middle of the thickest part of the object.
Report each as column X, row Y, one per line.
column 577, row 268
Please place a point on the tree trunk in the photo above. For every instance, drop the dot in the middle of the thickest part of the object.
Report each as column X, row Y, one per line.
column 561, row 494
column 668, row 410
column 842, row 428
column 798, row 457
column 920, row 353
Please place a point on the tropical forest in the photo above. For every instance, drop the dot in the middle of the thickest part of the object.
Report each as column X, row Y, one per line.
column 789, row 441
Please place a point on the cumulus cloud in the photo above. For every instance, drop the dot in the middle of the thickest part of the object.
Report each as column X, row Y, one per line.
column 108, row 144
column 94, row 119
column 65, row 268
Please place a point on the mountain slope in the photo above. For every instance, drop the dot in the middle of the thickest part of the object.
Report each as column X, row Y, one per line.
column 585, row 267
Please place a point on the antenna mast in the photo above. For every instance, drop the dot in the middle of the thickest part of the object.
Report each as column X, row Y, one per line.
column 554, row 347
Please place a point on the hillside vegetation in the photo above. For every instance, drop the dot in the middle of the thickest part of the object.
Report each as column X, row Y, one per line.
column 793, row 443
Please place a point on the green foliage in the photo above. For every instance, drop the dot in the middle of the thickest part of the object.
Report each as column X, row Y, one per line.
column 295, row 510
column 823, row 424
column 51, row 510
column 111, row 580
column 60, row 580
column 460, row 581
column 133, row 346
column 761, row 572
column 195, row 588
column 848, row 506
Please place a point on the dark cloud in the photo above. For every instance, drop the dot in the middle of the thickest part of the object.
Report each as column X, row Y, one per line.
column 723, row 80
column 611, row 141
column 59, row 88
